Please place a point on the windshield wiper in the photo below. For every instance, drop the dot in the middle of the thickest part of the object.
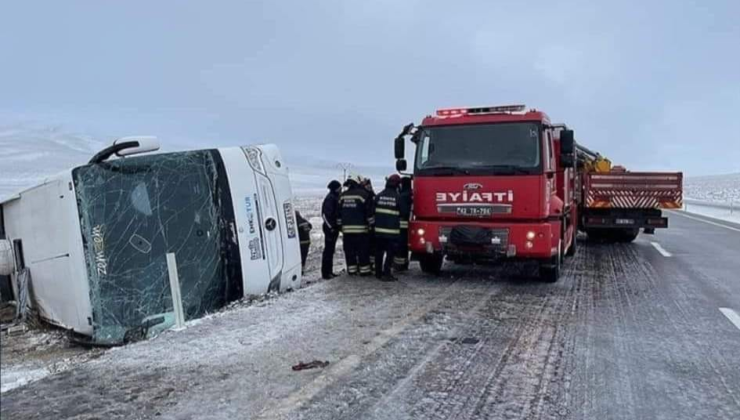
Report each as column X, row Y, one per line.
column 446, row 170
column 504, row 169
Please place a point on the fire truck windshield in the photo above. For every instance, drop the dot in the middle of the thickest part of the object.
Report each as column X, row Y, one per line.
column 504, row 148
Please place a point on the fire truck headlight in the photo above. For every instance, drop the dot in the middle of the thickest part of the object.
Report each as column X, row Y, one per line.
column 529, row 245
column 530, row 235
column 421, row 232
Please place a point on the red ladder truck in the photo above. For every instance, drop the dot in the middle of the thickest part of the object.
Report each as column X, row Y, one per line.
column 502, row 182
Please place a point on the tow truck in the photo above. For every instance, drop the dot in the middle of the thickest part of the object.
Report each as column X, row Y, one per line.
column 501, row 182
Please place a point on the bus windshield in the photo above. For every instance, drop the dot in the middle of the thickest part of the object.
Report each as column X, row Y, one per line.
column 133, row 212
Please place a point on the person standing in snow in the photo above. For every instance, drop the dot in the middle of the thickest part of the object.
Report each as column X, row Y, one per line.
column 330, row 214
column 304, row 235
column 387, row 228
column 355, row 218
column 368, row 185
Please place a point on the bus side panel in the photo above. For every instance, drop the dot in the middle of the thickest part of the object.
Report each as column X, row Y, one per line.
column 277, row 171
column 45, row 221
column 249, row 226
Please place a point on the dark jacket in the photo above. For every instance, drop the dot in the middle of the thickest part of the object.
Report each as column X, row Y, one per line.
column 304, row 229
column 355, row 210
column 388, row 213
column 330, row 211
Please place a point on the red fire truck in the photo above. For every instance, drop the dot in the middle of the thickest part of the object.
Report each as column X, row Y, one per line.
column 502, row 182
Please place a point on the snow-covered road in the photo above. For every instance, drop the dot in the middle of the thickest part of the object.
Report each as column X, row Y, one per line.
column 628, row 333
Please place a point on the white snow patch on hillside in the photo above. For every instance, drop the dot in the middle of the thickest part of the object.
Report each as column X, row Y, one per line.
column 30, row 152
column 715, row 188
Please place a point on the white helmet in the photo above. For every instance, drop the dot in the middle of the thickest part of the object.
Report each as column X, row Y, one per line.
column 356, row 178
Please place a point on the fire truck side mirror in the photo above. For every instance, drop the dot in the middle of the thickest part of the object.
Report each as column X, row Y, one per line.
column 567, row 148
column 401, row 165
column 399, row 147
column 567, row 142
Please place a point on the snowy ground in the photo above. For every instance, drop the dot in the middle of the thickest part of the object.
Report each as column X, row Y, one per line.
column 36, row 354
column 708, row 210
column 39, row 353
column 628, row 333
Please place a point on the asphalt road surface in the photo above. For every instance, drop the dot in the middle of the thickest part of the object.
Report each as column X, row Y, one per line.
column 648, row 330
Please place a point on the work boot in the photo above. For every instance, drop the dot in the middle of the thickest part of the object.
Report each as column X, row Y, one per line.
column 388, row 277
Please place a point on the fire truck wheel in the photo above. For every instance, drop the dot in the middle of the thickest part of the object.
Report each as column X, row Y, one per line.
column 431, row 264
column 573, row 246
column 550, row 269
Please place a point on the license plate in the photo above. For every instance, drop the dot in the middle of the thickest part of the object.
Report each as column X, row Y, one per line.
column 625, row 221
column 475, row 211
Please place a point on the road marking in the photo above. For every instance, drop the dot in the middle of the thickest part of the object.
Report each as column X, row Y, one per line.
column 660, row 249
column 732, row 316
column 682, row 214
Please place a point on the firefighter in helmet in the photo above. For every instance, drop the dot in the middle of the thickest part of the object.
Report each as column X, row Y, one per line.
column 356, row 219
column 387, row 227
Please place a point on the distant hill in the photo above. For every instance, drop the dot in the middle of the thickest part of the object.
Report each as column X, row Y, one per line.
column 310, row 176
column 717, row 188
column 31, row 152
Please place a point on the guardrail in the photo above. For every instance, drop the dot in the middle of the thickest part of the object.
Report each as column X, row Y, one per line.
column 731, row 206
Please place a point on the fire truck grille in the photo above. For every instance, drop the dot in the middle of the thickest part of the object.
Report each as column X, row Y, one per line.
column 491, row 239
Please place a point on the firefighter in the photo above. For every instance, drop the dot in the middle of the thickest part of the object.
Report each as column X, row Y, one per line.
column 330, row 214
column 368, row 185
column 355, row 218
column 387, row 227
column 304, row 235
column 406, row 199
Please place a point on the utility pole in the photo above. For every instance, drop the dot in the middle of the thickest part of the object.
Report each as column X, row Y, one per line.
column 345, row 167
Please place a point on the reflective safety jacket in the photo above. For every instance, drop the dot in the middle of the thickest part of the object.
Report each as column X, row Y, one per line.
column 405, row 205
column 355, row 211
column 388, row 213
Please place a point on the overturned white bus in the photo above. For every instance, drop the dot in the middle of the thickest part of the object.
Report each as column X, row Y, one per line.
column 95, row 237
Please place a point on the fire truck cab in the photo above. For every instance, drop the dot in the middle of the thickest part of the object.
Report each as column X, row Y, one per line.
column 491, row 183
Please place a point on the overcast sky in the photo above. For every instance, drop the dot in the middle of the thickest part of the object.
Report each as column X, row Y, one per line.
column 650, row 84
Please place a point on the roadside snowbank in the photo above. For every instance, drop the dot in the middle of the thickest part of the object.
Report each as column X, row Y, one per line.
column 713, row 211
